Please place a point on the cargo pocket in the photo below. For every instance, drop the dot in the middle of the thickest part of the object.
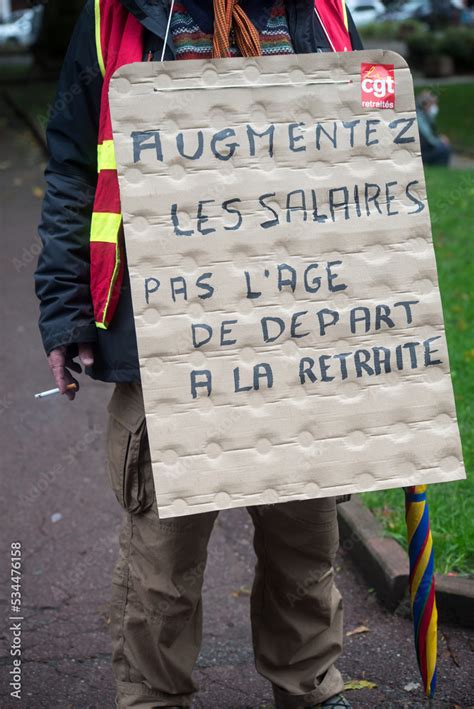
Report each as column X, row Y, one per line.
column 318, row 512
column 128, row 459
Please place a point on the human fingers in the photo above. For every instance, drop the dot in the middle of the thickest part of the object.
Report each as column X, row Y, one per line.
column 86, row 354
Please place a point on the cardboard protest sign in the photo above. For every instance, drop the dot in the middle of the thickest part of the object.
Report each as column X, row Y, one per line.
column 284, row 284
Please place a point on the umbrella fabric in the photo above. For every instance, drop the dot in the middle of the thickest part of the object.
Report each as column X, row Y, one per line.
column 422, row 584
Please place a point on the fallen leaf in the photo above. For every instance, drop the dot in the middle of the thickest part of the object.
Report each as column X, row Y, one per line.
column 38, row 192
column 358, row 631
column 359, row 684
column 411, row 686
column 243, row 591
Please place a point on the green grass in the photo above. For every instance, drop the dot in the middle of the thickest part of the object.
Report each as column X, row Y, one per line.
column 451, row 198
column 14, row 71
column 35, row 99
column 455, row 112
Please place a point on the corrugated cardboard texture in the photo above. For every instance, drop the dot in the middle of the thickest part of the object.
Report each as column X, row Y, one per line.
column 317, row 410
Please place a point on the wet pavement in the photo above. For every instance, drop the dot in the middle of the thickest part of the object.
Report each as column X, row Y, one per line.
column 57, row 501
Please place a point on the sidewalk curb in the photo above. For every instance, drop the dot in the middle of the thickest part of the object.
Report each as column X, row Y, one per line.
column 384, row 565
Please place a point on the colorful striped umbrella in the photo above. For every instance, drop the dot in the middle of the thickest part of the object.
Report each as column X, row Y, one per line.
column 422, row 584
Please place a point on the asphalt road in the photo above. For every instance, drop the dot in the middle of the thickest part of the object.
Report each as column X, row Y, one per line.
column 56, row 500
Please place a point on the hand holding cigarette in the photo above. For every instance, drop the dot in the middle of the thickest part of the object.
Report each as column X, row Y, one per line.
column 52, row 392
column 60, row 366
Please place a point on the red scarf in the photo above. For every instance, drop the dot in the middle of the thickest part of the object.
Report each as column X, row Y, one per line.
column 333, row 17
column 119, row 40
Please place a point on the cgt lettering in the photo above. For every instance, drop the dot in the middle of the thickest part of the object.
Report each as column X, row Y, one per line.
column 377, row 83
column 379, row 87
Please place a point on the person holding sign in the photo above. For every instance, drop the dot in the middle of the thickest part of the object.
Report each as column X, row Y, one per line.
column 86, row 311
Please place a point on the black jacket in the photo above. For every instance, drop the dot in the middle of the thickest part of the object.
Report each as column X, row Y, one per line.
column 62, row 275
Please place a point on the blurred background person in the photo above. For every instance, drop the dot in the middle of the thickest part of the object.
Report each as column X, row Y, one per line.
column 435, row 149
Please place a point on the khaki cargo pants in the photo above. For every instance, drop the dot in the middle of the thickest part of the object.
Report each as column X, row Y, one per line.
column 156, row 620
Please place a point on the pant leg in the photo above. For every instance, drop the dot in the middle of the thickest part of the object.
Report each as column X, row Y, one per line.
column 439, row 154
column 296, row 609
column 156, row 616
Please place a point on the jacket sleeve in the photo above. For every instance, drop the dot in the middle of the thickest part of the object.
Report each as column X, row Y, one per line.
column 62, row 274
column 426, row 130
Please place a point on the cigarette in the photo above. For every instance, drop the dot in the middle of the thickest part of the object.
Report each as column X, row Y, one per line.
column 52, row 392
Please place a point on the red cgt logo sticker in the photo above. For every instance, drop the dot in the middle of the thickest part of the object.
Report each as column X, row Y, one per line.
column 377, row 83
